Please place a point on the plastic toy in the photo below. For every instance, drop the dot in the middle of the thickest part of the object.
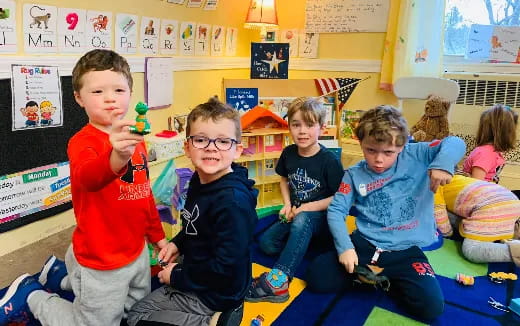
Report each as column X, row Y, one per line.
column 500, row 277
column 514, row 306
column 465, row 279
column 369, row 274
column 257, row 321
column 497, row 305
column 283, row 218
column 142, row 126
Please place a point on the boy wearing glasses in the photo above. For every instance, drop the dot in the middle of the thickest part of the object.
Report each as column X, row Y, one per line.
column 311, row 174
column 219, row 218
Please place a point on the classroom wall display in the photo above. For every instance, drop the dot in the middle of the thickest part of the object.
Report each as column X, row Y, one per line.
column 71, row 30
column 202, row 39
column 149, row 32
column 177, row 2
column 194, row 3
column 308, row 45
column 36, row 100
column 242, row 99
column 126, row 33
column 40, row 28
column 8, row 26
column 187, row 38
column 231, row 41
column 291, row 36
column 279, row 105
column 211, row 5
column 269, row 60
column 169, row 36
column 99, row 29
column 338, row 16
column 495, row 43
column 158, row 82
column 31, row 191
column 37, row 149
column 218, row 35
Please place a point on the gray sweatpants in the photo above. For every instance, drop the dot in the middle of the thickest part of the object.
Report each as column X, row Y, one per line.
column 101, row 297
column 481, row 251
column 172, row 306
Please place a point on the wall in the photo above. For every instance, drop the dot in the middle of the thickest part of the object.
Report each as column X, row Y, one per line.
column 195, row 79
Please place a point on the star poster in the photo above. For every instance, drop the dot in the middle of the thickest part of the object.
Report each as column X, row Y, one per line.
column 269, row 60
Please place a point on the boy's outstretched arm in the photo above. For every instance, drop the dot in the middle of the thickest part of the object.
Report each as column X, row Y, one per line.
column 337, row 213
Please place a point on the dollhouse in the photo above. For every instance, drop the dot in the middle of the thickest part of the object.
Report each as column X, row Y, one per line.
column 264, row 136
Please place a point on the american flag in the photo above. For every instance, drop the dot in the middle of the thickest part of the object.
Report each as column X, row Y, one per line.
column 345, row 86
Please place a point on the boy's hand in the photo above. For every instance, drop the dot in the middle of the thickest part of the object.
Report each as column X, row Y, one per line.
column 122, row 140
column 164, row 275
column 349, row 259
column 169, row 253
column 438, row 178
column 286, row 210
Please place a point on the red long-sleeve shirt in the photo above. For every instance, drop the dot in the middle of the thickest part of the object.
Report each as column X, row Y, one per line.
column 115, row 213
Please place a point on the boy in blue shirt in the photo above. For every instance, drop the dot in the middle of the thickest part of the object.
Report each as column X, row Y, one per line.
column 393, row 190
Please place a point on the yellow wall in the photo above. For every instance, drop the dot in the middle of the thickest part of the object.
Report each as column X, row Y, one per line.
column 194, row 87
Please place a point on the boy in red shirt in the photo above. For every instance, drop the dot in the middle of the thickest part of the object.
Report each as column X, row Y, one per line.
column 107, row 263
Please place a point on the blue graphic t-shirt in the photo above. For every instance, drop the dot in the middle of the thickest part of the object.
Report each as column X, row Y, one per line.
column 310, row 178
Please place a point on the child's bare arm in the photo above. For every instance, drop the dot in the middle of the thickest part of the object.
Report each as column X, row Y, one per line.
column 123, row 143
column 478, row 173
column 313, row 206
column 349, row 260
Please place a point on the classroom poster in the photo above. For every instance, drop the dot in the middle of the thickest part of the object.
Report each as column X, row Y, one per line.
column 242, row 99
column 505, row 44
column 168, row 38
column 194, row 3
column 269, row 60
column 31, row 191
column 278, row 105
column 126, row 33
column 291, row 36
column 36, row 97
column 40, row 28
column 308, row 45
column 8, row 26
column 479, row 41
column 71, row 30
column 218, row 35
column 211, row 5
column 202, row 39
column 99, row 29
column 231, row 41
column 149, row 40
column 187, row 38
column 177, row 2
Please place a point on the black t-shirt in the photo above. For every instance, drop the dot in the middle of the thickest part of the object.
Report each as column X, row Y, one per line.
column 310, row 178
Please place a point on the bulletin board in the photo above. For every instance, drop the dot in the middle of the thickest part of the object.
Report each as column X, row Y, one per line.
column 274, row 87
column 32, row 148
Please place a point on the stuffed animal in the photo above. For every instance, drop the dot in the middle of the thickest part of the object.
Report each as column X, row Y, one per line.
column 434, row 123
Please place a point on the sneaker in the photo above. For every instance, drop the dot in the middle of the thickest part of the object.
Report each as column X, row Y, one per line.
column 52, row 273
column 232, row 317
column 13, row 306
column 262, row 290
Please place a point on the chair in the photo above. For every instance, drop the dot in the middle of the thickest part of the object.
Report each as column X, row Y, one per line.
column 422, row 87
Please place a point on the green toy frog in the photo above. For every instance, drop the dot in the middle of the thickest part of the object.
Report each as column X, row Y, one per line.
column 142, row 126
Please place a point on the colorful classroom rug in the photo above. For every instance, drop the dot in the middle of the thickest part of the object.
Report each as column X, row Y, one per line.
column 464, row 305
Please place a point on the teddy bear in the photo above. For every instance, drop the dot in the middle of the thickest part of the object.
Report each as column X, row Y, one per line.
column 434, row 123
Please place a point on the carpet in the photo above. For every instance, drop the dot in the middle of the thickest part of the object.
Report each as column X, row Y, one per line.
column 464, row 305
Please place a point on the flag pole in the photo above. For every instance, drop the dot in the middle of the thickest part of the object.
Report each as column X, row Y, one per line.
column 353, row 83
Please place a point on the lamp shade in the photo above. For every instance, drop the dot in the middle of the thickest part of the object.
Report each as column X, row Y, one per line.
column 261, row 13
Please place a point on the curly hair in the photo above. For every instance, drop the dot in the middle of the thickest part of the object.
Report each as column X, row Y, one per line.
column 385, row 124
column 99, row 60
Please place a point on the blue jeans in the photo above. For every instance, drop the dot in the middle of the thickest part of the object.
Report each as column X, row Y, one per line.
column 292, row 239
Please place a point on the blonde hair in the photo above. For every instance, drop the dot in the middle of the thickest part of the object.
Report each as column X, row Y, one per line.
column 215, row 110
column 497, row 127
column 311, row 108
column 385, row 124
column 45, row 104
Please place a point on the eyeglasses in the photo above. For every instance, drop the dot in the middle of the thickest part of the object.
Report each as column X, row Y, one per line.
column 222, row 144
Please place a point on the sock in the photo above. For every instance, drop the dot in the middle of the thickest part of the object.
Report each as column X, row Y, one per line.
column 276, row 278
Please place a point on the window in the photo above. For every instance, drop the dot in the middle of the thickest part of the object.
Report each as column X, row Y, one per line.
column 269, row 140
column 461, row 14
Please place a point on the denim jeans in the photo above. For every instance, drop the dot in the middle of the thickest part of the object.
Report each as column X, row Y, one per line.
column 292, row 239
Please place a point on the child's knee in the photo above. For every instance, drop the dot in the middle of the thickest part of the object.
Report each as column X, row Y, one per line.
column 267, row 247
